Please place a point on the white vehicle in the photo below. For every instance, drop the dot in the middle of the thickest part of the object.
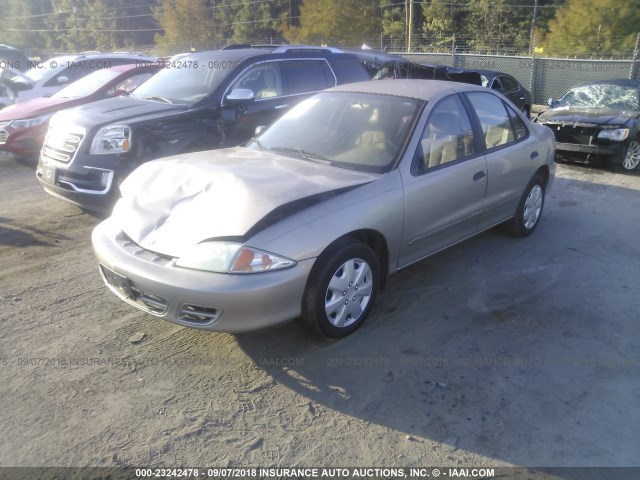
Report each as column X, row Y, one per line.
column 49, row 76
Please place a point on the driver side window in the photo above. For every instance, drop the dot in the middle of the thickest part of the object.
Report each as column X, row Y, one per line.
column 264, row 80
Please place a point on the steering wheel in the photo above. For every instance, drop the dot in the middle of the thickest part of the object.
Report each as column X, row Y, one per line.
column 388, row 145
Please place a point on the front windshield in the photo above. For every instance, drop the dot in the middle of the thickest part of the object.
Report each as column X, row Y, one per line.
column 357, row 131
column 601, row 96
column 184, row 81
column 87, row 85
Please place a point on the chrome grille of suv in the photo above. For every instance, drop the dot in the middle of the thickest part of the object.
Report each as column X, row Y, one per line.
column 3, row 137
column 62, row 144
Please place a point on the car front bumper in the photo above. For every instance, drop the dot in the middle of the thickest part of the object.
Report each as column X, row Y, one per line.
column 193, row 298
column 90, row 187
column 611, row 152
column 22, row 142
column 593, row 149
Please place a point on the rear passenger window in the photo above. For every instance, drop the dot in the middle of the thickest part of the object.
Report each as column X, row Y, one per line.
column 496, row 123
column 519, row 128
column 303, row 76
column 509, row 84
column 447, row 137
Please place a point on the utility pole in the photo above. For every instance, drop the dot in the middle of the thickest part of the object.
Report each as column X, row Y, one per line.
column 533, row 28
column 634, row 63
column 75, row 22
column 409, row 17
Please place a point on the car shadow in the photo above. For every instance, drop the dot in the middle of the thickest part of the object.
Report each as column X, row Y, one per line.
column 20, row 235
column 497, row 346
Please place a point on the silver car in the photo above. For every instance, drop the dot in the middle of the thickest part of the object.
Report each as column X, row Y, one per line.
column 307, row 220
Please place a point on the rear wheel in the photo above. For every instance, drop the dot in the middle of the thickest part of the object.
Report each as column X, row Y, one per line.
column 529, row 209
column 341, row 291
column 632, row 158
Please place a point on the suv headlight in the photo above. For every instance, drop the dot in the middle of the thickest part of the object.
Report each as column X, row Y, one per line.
column 111, row 139
column 617, row 135
column 31, row 122
column 229, row 257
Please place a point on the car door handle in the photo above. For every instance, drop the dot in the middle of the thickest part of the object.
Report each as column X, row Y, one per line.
column 479, row 176
column 281, row 106
column 534, row 155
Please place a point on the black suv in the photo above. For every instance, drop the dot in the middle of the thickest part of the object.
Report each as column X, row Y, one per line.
column 203, row 101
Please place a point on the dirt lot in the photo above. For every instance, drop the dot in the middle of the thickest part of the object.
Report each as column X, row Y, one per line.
column 496, row 352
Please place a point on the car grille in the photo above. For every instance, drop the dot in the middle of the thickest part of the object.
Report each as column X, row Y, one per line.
column 3, row 136
column 148, row 301
column 583, row 134
column 62, row 145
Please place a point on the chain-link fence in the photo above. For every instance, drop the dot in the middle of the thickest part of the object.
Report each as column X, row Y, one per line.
column 545, row 77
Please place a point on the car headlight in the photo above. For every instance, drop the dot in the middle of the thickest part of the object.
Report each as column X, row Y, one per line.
column 111, row 139
column 230, row 257
column 31, row 122
column 617, row 135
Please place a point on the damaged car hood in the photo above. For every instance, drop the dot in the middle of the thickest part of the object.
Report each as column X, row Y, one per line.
column 586, row 115
column 170, row 205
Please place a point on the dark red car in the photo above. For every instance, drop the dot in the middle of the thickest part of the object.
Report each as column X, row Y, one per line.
column 23, row 126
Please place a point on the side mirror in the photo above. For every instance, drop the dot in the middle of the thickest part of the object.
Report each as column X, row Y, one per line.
column 62, row 80
column 551, row 102
column 260, row 129
column 240, row 96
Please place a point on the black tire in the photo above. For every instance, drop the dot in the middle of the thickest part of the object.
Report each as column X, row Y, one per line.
column 529, row 210
column 316, row 303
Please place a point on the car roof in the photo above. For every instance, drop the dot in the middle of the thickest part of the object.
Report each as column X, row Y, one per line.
column 8, row 47
column 420, row 89
column 242, row 52
column 71, row 57
column 377, row 56
column 125, row 67
column 489, row 73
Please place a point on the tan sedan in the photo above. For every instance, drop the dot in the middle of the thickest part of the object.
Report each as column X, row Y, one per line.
column 307, row 220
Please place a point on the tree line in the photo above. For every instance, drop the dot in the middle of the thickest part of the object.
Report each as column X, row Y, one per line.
column 552, row 27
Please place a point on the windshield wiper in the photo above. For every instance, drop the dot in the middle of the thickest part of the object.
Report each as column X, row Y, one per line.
column 304, row 154
column 158, row 97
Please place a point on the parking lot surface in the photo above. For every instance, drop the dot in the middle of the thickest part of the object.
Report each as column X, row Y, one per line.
column 496, row 352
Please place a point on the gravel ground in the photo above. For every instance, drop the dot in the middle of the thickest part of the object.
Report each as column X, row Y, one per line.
column 496, row 352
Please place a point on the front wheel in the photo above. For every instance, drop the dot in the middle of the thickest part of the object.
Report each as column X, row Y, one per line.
column 529, row 209
column 632, row 158
column 341, row 291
